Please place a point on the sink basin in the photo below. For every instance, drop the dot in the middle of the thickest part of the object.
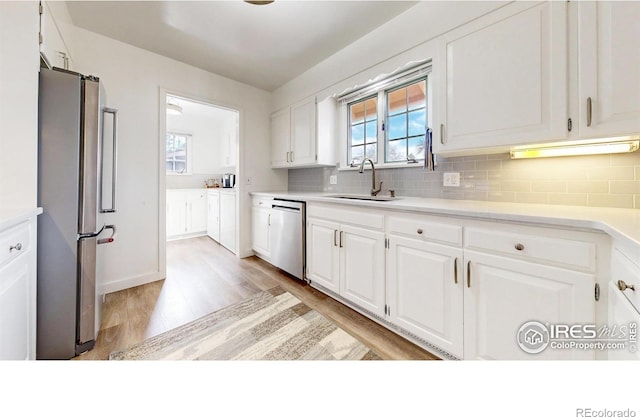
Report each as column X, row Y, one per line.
column 363, row 197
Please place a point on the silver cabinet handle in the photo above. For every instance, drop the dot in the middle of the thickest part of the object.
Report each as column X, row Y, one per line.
column 287, row 156
column 419, row 231
column 442, row 134
column 340, row 238
column 519, row 246
column 469, row 274
column 589, row 111
column 268, row 219
column 335, row 238
column 623, row 286
column 455, row 271
column 291, row 156
column 17, row 246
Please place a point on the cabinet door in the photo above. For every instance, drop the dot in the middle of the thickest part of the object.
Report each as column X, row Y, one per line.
column 609, row 68
column 197, row 215
column 323, row 254
column 425, row 289
column 52, row 47
column 280, row 138
column 303, row 133
column 15, row 310
column 362, row 264
column 228, row 220
column 176, row 214
column 260, row 230
column 502, row 294
column 502, row 79
column 213, row 216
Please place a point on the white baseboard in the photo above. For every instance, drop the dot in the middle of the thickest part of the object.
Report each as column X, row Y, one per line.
column 130, row 282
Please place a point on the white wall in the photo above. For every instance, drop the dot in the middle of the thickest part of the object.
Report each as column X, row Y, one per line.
column 134, row 80
column 401, row 40
column 19, row 66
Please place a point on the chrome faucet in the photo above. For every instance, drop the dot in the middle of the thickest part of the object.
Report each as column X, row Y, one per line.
column 374, row 190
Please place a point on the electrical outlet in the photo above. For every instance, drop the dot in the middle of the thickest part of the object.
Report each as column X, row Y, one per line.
column 248, row 181
column 451, row 179
column 333, row 179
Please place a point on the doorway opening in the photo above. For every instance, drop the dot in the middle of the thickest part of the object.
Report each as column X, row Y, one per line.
column 199, row 164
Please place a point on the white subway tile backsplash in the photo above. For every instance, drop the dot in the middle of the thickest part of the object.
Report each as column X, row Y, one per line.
column 598, row 180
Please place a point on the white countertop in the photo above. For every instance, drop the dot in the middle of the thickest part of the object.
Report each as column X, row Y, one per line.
column 10, row 217
column 623, row 224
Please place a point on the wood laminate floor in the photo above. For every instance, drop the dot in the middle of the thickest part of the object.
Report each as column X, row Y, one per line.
column 202, row 277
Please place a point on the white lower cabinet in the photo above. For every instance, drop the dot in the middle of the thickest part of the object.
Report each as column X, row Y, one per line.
column 463, row 288
column 261, row 226
column 348, row 261
column 213, row 214
column 186, row 212
column 228, row 219
column 18, row 289
column 425, row 291
column 362, row 261
column 502, row 294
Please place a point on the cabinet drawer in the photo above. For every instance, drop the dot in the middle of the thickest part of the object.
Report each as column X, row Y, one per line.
column 425, row 228
column 362, row 217
column 261, row 201
column 14, row 242
column 572, row 253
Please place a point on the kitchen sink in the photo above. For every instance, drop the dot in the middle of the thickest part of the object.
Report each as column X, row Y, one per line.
column 363, row 197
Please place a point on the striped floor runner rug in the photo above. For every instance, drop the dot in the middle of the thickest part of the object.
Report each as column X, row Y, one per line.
column 272, row 325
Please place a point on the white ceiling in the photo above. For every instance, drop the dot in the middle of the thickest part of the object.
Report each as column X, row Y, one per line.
column 263, row 46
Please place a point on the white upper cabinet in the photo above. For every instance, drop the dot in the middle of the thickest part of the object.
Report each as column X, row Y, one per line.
column 502, row 80
column 52, row 46
column 609, row 68
column 303, row 135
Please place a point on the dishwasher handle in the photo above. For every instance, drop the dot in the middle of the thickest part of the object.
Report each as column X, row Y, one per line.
column 285, row 208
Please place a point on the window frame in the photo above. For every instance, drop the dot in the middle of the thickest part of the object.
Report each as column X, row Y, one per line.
column 380, row 90
column 189, row 153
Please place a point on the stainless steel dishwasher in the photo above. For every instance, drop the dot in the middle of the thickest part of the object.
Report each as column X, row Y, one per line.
column 288, row 236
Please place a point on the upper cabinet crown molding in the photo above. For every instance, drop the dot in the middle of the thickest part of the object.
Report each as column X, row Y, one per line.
column 303, row 135
column 608, row 68
column 502, row 80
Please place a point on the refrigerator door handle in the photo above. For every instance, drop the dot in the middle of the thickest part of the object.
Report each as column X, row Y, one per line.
column 92, row 234
column 110, row 238
column 114, row 167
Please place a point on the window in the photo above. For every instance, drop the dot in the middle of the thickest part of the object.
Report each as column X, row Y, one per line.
column 388, row 121
column 177, row 154
column 406, row 122
column 363, row 130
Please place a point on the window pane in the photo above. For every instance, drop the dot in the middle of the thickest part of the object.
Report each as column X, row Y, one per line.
column 416, row 147
column 372, row 132
column 371, row 106
column 417, row 94
column 417, row 122
column 357, row 153
column 397, row 101
column 371, row 152
column 169, row 166
column 357, row 113
column 180, row 142
column 397, row 150
column 397, row 126
column 357, row 134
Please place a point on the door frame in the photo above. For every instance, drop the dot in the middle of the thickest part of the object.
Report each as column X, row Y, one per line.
column 162, row 177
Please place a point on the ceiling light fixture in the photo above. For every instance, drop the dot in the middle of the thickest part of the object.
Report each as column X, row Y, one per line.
column 575, row 148
column 173, row 109
column 259, row 3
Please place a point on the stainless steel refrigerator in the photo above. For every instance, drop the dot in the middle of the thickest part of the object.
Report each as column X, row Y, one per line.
column 74, row 154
